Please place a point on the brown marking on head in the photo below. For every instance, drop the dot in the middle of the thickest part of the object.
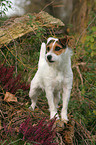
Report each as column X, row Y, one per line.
column 64, row 41
column 57, row 48
column 49, row 46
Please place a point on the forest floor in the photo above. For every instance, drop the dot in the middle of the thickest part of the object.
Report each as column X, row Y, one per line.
column 18, row 124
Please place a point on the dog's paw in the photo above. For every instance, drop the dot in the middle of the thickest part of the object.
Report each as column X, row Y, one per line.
column 65, row 119
column 59, row 124
column 54, row 114
column 31, row 108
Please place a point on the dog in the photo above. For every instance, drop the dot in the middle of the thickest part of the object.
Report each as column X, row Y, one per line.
column 54, row 76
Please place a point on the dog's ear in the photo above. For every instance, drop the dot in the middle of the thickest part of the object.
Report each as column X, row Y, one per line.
column 64, row 41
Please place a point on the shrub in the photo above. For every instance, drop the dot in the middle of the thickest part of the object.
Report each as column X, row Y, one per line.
column 8, row 82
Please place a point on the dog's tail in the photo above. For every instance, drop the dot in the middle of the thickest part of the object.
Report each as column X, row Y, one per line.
column 42, row 54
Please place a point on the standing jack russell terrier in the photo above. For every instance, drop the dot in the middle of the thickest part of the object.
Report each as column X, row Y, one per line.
column 54, row 75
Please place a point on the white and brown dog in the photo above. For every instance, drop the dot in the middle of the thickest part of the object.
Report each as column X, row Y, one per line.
column 54, row 75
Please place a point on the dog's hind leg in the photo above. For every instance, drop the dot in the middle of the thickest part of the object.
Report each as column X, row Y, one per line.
column 33, row 92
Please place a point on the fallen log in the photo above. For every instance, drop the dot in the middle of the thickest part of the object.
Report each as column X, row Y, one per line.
column 20, row 26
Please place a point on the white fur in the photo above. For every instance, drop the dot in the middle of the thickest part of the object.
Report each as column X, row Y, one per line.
column 54, row 78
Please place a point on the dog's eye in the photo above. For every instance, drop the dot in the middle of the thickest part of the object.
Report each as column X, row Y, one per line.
column 57, row 48
column 48, row 48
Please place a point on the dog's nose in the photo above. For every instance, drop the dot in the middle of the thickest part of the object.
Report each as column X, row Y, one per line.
column 49, row 57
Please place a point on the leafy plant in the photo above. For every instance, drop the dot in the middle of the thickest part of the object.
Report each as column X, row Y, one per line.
column 90, row 44
column 39, row 33
column 83, row 98
column 4, row 5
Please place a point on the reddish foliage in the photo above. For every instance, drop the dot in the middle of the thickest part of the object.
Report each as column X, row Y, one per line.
column 8, row 130
column 41, row 133
column 8, row 82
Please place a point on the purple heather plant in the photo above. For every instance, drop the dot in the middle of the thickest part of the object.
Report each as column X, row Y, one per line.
column 8, row 82
column 42, row 133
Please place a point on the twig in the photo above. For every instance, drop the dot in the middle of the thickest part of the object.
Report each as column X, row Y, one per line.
column 5, row 57
column 15, row 141
column 82, row 128
column 2, row 89
column 78, row 64
column 94, row 123
column 61, row 140
column 17, row 58
column 78, row 70
column 2, row 114
column 48, row 5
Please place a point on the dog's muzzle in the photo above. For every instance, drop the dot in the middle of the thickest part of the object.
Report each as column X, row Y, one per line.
column 49, row 58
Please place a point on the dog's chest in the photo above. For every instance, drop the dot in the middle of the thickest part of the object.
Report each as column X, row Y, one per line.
column 58, row 81
column 53, row 78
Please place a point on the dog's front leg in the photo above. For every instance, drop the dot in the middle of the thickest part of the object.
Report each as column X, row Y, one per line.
column 65, row 97
column 52, row 107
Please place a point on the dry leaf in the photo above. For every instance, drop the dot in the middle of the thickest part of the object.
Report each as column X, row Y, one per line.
column 10, row 97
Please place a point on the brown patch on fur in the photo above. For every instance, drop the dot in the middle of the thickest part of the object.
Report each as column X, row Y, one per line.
column 50, row 46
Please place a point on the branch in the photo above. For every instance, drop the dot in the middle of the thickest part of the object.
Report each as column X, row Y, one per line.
column 78, row 64
column 78, row 70
column 48, row 5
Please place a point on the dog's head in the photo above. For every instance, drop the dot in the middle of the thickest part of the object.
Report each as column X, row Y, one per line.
column 55, row 48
